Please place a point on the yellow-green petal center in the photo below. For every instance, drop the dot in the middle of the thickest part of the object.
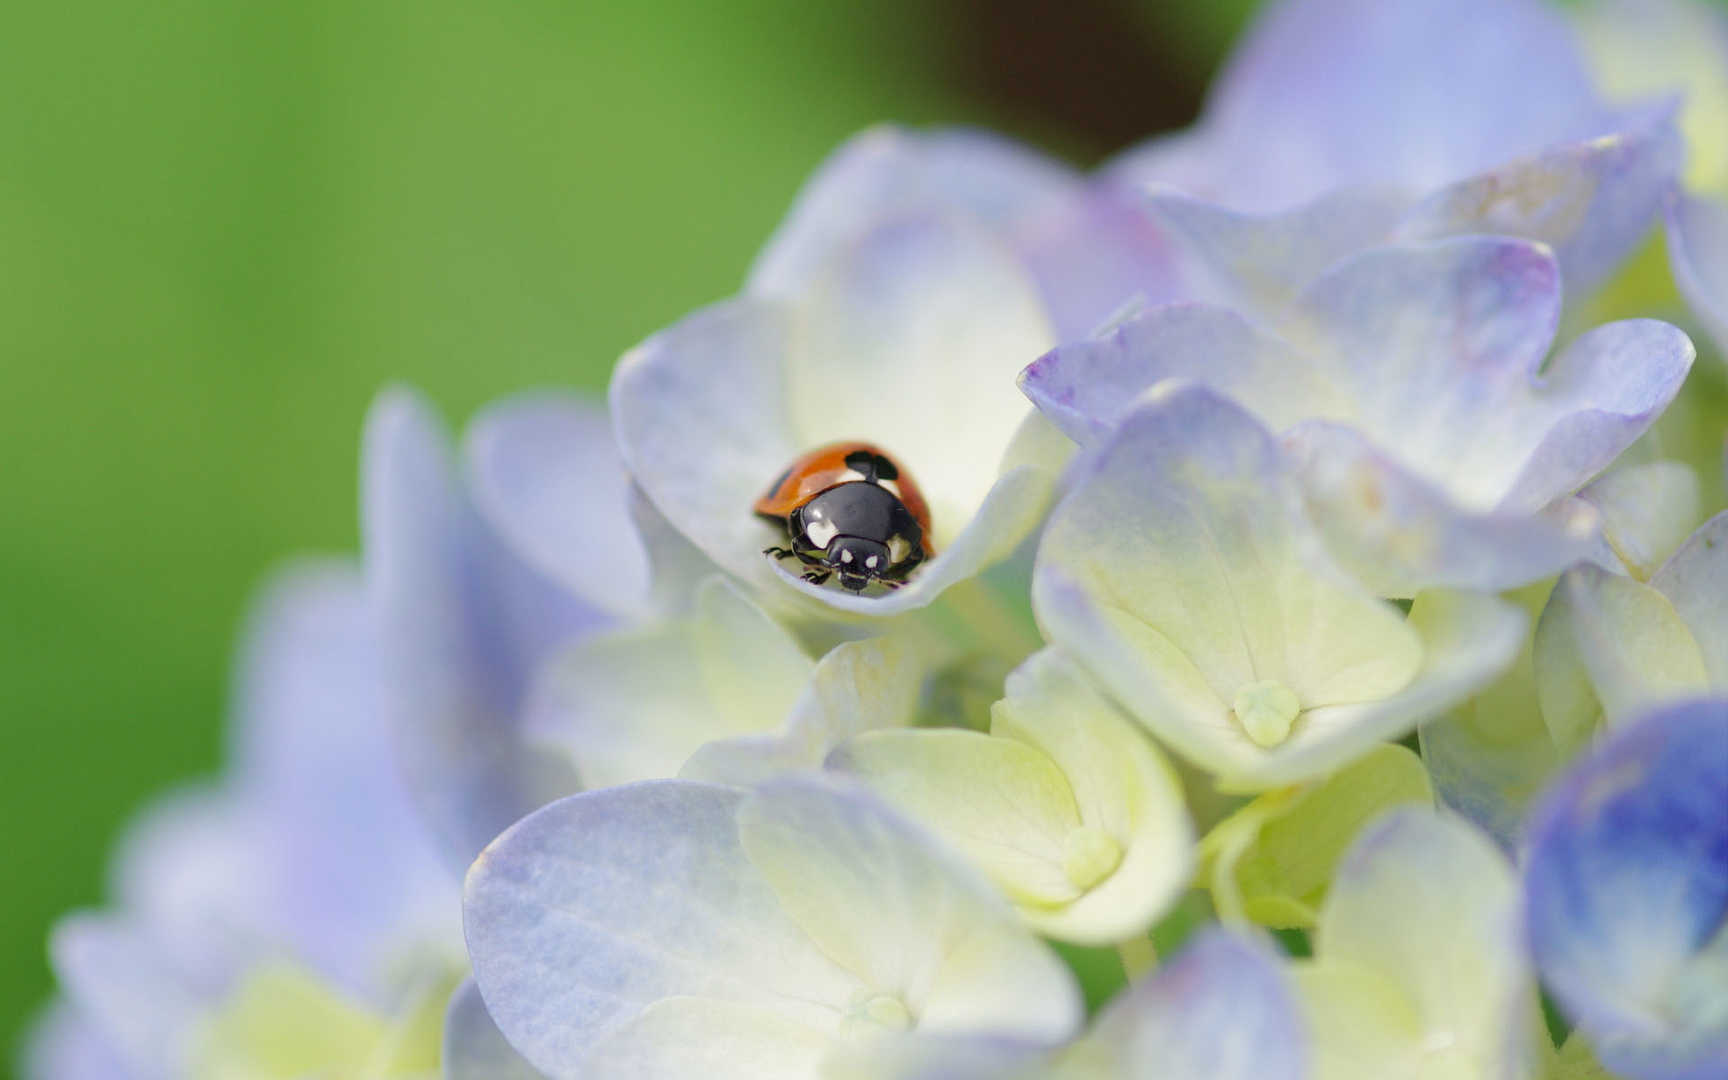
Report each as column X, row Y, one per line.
column 1266, row 710
column 1089, row 855
column 870, row 1012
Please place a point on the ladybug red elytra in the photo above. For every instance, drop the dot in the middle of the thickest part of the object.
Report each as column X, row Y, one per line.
column 849, row 509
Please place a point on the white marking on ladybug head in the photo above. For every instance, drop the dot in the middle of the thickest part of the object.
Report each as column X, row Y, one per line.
column 846, row 556
column 871, row 561
column 820, row 532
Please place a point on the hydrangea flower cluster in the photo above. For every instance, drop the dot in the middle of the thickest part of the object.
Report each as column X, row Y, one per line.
column 1321, row 668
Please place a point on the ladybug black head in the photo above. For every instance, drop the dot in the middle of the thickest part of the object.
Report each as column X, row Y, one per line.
column 858, row 561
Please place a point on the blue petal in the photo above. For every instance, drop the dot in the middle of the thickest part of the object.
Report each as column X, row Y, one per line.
column 1626, row 892
column 474, row 1048
column 1222, row 1009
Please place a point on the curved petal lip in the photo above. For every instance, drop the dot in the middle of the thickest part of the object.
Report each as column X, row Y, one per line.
column 1400, row 534
column 889, row 170
column 1698, row 253
column 1012, row 509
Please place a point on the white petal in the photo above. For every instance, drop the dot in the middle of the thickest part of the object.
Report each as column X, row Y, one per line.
column 1695, row 579
column 680, row 1037
column 1004, row 805
column 911, row 340
column 1467, row 640
column 1647, row 511
column 858, row 686
column 1121, row 785
column 635, row 704
column 1608, row 647
column 883, row 901
column 1470, row 1005
column 701, row 418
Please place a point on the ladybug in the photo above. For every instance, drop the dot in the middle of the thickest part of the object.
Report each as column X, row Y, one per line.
column 850, row 510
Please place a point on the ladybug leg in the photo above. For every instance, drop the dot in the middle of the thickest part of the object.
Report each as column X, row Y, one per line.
column 818, row 577
column 779, row 552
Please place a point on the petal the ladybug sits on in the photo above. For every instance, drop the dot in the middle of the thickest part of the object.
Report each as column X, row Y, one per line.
column 849, row 509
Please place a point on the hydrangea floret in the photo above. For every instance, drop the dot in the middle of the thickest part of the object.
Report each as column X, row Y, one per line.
column 1337, row 579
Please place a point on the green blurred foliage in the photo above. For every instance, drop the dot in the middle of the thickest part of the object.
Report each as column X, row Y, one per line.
column 223, row 225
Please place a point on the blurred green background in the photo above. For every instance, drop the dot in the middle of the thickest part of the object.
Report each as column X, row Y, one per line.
column 224, row 224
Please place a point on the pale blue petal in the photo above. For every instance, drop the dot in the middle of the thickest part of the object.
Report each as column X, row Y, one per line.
column 329, row 844
column 1413, row 94
column 62, row 1045
column 547, row 478
column 1698, row 251
column 1603, row 391
column 1221, row 1009
column 474, row 1048
column 1093, row 253
column 1257, row 263
column 1399, row 533
column 197, row 879
column 1626, row 887
column 1435, row 346
column 129, row 989
column 590, row 910
column 463, row 622
column 1593, row 202
column 888, row 172
column 1086, row 388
